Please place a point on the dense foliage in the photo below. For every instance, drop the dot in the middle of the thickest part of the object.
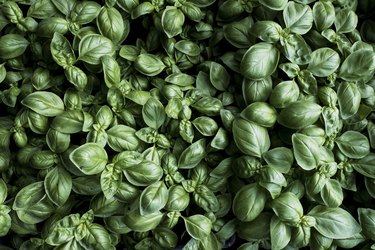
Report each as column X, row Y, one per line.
column 187, row 124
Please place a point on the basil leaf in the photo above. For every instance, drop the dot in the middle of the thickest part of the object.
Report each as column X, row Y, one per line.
column 111, row 24
column 280, row 233
column 142, row 223
column 299, row 114
column 153, row 113
column 192, row 155
column 346, row 21
column 349, row 99
column 148, row 64
column 359, row 65
column 367, row 221
column 84, row 12
column 153, row 198
column 324, row 62
column 334, row 223
column 324, row 15
column 12, row 45
column 122, row 137
column 288, row 208
column 255, row 143
column 89, row 158
column 353, row 144
column 250, row 66
column 58, row 185
column 92, row 47
column 44, row 103
column 249, row 202
column 110, row 180
column 298, row 18
column 364, row 165
column 306, row 151
column 172, row 20
column 198, row 226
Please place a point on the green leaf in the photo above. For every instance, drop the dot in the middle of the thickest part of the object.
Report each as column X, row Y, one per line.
column 90, row 158
column 219, row 76
column 143, row 174
column 3, row 191
column 42, row 9
column 280, row 233
column 111, row 70
column 32, row 205
column 205, row 125
column 12, row 45
column 353, row 144
column 3, row 72
column 97, row 237
column 298, row 18
column 260, row 113
column 153, row 113
column 122, row 137
column 198, row 226
column 142, row 9
column 44, row 103
column 299, row 114
column 58, row 185
column 280, row 158
column 346, row 20
column 359, row 65
column 180, row 79
column 92, row 47
column 178, row 199
column 288, row 208
column 153, row 198
column 274, row 4
column 250, row 138
column 258, row 229
column 365, row 165
column 142, row 223
column 49, row 26
column 165, row 237
column 84, row 12
column 267, row 31
column 249, row 202
column 172, row 20
column 366, row 218
column 76, row 76
column 61, row 50
column 64, row 6
column 238, row 33
column 324, row 62
column 206, row 199
column 264, row 52
column 209, row 106
column 69, row 122
column 110, row 180
column 149, row 64
column 296, row 50
column 284, row 93
column 335, row 223
column 324, row 15
column 188, row 47
column 332, row 194
column 306, row 151
column 192, row 155
column 63, row 230
column 349, row 99
column 111, row 24
column 256, row 90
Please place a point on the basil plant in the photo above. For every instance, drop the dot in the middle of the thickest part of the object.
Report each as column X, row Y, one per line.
column 187, row 124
